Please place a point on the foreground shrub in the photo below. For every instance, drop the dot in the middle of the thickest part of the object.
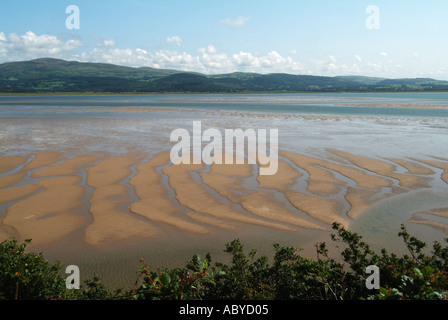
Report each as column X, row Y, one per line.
column 416, row 276
column 28, row 276
column 290, row 276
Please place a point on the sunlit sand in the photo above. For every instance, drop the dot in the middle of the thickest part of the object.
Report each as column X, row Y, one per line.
column 115, row 199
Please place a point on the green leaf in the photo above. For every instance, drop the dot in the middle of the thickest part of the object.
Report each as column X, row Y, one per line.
column 207, row 261
column 418, row 273
column 165, row 279
column 427, row 271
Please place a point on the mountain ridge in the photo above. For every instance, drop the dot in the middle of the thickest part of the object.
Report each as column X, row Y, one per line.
column 47, row 75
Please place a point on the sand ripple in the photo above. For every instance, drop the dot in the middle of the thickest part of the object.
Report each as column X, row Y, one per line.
column 114, row 199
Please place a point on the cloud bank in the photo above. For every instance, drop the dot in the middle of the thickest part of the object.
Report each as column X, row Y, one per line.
column 30, row 45
column 207, row 59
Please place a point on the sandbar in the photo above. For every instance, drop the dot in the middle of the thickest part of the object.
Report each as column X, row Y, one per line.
column 48, row 215
column 437, row 164
column 420, row 218
column 197, row 198
column 9, row 163
column 381, row 168
column 154, row 203
column 109, row 223
column 228, row 181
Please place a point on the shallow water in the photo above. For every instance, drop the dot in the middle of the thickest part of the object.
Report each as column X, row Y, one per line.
column 380, row 224
column 304, row 121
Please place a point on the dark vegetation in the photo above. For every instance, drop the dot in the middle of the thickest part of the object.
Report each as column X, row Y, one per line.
column 414, row 276
column 48, row 75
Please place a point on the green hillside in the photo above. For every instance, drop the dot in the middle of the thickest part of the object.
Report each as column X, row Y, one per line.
column 48, row 75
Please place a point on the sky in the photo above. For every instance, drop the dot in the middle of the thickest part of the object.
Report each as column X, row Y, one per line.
column 379, row 38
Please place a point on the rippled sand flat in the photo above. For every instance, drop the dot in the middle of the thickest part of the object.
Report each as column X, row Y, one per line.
column 154, row 203
column 45, row 216
column 197, row 198
column 381, row 168
column 117, row 199
column 110, row 224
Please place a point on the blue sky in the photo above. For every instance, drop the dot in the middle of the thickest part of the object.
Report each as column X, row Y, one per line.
column 319, row 37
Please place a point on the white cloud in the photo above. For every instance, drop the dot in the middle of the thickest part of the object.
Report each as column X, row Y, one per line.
column 72, row 44
column 271, row 63
column 208, row 59
column 236, row 23
column 30, row 46
column 101, row 42
column 164, row 59
column 327, row 67
column 245, row 59
column 376, row 67
column 209, row 50
column 176, row 39
column 106, row 43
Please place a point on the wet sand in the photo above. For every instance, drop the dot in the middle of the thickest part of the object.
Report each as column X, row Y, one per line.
column 45, row 216
column 198, row 199
column 381, row 168
column 118, row 199
column 110, row 224
column 9, row 163
column 437, row 164
column 429, row 218
column 154, row 203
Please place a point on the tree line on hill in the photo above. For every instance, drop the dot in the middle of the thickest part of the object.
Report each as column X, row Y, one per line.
column 47, row 75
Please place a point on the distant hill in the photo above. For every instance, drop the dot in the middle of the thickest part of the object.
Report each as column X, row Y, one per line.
column 47, row 75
